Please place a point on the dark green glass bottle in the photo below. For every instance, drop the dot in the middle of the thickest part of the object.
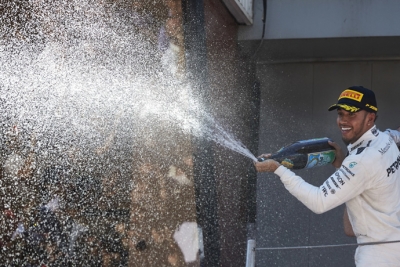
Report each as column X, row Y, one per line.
column 305, row 154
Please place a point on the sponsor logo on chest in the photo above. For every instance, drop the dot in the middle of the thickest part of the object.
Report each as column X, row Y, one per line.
column 356, row 146
column 374, row 131
column 394, row 167
column 383, row 150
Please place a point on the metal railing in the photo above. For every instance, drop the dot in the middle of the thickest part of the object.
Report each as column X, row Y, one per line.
column 251, row 248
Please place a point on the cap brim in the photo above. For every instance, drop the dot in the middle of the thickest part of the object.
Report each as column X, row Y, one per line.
column 345, row 107
column 334, row 106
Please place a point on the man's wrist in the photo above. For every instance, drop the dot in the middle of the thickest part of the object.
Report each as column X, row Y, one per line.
column 277, row 166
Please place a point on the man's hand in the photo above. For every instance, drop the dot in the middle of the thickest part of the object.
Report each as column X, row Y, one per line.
column 268, row 165
column 337, row 163
column 348, row 229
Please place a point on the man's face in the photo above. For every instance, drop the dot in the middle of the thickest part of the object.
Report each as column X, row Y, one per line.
column 354, row 125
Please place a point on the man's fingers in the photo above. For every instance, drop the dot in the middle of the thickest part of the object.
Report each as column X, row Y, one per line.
column 336, row 146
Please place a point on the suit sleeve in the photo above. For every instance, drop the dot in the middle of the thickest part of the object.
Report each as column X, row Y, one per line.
column 347, row 182
column 395, row 135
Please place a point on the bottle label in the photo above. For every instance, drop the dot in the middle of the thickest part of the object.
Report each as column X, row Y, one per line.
column 288, row 163
column 320, row 158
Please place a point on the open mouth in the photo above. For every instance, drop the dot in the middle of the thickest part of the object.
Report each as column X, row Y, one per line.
column 345, row 130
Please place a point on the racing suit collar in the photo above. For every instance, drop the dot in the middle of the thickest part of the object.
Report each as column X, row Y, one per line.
column 362, row 141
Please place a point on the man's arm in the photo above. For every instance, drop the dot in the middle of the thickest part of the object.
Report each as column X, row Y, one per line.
column 348, row 229
column 344, row 184
column 395, row 134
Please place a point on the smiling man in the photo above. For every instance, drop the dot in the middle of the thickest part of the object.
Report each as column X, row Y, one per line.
column 367, row 180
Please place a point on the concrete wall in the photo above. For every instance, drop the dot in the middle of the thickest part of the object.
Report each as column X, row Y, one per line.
column 324, row 19
column 294, row 102
column 222, row 176
column 231, row 101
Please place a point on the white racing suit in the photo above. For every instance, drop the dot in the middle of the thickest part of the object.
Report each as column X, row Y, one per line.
column 369, row 183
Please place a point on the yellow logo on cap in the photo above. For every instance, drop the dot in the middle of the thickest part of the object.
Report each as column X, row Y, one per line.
column 371, row 107
column 350, row 94
column 348, row 108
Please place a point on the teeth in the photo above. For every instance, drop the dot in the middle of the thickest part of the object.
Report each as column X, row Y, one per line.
column 345, row 129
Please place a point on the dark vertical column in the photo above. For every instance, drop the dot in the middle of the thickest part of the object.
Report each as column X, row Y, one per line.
column 204, row 175
column 252, row 174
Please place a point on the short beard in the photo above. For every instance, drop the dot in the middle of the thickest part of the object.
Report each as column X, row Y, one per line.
column 346, row 142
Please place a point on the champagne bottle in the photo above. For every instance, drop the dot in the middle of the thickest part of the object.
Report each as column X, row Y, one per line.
column 305, row 154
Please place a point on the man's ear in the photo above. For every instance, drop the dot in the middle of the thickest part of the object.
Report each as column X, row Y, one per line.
column 371, row 117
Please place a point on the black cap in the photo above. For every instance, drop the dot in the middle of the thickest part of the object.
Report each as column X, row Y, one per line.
column 356, row 98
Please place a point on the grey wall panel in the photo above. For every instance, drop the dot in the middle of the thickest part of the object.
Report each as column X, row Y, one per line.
column 286, row 104
column 386, row 84
column 331, row 257
column 288, row 19
column 323, row 49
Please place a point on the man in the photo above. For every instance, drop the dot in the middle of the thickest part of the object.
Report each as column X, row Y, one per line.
column 367, row 180
column 348, row 230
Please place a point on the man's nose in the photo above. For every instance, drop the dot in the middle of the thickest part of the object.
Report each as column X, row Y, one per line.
column 342, row 119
